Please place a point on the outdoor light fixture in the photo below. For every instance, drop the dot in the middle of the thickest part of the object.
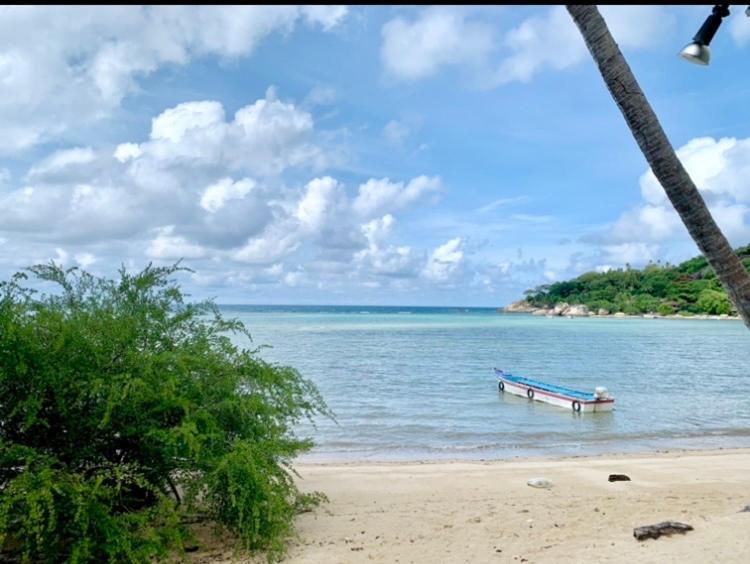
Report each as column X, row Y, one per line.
column 697, row 51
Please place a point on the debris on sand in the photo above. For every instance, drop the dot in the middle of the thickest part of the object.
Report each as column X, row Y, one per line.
column 664, row 528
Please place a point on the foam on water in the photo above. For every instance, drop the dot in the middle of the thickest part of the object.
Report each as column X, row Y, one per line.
column 421, row 386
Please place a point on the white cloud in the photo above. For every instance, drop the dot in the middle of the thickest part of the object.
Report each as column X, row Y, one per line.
column 442, row 37
column 182, row 175
column 272, row 246
column 93, row 57
column 378, row 195
column 61, row 161
column 264, row 138
column 552, row 41
column 327, row 16
column 720, row 169
column 62, row 255
column 646, row 223
column 531, row 218
column 630, row 253
column 228, row 193
column 734, row 221
column 218, row 194
column 126, row 151
column 445, row 261
column 176, row 123
column 316, row 207
column 500, row 202
column 654, row 231
column 382, row 259
column 438, row 37
column 275, row 131
column 398, row 261
column 294, row 279
column 168, row 246
column 325, row 219
column 85, row 259
column 378, row 229
column 516, row 275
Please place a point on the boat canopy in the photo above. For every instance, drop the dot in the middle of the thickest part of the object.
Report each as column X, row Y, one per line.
column 588, row 396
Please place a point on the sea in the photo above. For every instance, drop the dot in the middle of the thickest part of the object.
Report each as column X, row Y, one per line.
column 417, row 383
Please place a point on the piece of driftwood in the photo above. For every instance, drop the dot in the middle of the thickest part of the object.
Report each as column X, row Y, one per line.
column 619, row 478
column 664, row 528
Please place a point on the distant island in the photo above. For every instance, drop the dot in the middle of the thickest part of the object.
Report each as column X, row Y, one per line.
column 688, row 289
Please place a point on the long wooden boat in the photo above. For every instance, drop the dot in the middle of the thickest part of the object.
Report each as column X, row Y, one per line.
column 580, row 402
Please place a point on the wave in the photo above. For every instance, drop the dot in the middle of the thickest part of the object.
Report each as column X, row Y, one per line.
column 399, row 452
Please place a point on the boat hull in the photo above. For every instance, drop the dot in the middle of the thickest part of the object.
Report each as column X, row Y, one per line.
column 560, row 400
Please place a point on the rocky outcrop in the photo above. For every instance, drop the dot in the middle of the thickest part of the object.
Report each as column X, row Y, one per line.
column 577, row 311
column 521, row 306
column 560, row 308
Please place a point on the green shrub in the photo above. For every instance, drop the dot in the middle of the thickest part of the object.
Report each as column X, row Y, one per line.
column 665, row 309
column 596, row 305
column 646, row 303
column 714, row 302
column 125, row 410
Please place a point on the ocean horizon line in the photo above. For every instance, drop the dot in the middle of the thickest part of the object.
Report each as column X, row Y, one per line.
column 362, row 306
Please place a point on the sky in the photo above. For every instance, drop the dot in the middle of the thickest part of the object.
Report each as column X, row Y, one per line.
column 357, row 155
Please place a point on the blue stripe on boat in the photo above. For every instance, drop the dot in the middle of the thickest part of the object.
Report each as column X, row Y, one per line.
column 547, row 387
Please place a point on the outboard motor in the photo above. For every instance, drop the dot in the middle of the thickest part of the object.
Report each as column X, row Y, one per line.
column 601, row 393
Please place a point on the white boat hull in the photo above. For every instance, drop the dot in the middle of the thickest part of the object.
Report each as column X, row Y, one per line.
column 574, row 404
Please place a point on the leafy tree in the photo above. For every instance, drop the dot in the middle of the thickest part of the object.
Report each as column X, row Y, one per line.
column 646, row 303
column 714, row 302
column 126, row 411
column 691, row 287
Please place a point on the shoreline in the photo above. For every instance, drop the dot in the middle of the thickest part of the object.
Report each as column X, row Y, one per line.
column 620, row 315
column 564, row 309
column 615, row 455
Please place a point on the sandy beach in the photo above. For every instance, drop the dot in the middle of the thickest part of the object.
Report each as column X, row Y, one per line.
column 486, row 512
column 426, row 512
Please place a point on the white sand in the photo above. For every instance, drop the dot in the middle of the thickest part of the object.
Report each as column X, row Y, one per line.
column 485, row 512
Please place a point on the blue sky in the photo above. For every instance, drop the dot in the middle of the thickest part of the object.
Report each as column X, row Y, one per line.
column 360, row 155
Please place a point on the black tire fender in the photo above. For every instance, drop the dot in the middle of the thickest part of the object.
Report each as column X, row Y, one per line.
column 501, row 386
column 530, row 393
column 576, row 406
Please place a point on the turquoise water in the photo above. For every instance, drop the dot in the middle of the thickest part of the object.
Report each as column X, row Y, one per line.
column 417, row 383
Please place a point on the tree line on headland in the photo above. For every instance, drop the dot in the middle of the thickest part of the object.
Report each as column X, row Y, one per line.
column 688, row 288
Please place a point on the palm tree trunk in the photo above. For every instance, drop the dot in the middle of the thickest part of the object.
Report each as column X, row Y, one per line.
column 662, row 158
